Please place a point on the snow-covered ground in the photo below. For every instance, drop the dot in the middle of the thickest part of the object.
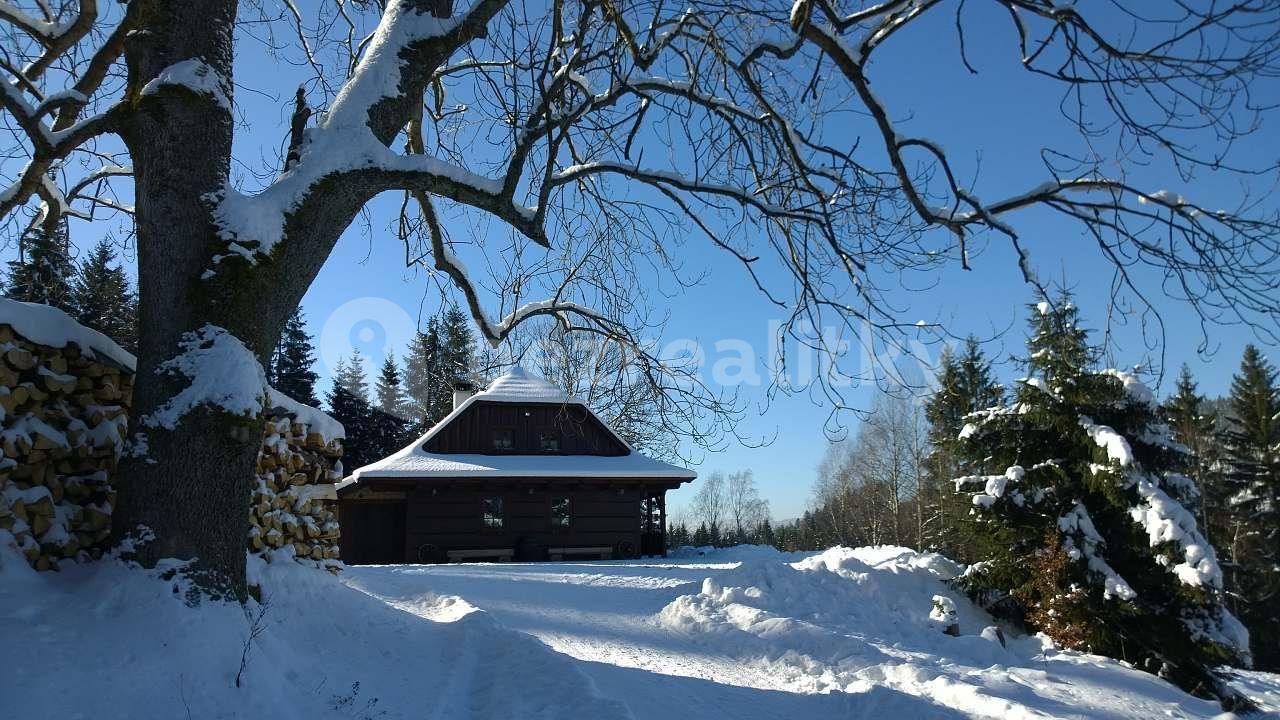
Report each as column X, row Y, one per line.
column 737, row 633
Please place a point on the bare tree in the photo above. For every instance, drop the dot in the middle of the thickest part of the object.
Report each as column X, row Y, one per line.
column 708, row 506
column 596, row 136
column 746, row 509
column 834, row 492
column 870, row 488
column 603, row 373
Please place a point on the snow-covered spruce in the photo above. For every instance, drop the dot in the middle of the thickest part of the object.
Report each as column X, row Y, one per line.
column 1088, row 470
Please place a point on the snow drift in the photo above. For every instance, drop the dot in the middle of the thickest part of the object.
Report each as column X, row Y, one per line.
column 854, row 620
column 106, row 635
column 738, row 633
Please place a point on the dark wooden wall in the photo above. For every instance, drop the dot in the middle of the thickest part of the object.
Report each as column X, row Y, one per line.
column 372, row 532
column 451, row 519
column 472, row 432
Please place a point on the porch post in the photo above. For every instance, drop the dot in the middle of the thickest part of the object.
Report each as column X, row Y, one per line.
column 662, row 515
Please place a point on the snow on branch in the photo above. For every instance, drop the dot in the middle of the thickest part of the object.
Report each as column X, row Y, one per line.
column 1165, row 520
column 48, row 124
column 378, row 76
column 222, row 375
column 1117, row 447
column 348, row 148
column 1083, row 541
column 194, row 75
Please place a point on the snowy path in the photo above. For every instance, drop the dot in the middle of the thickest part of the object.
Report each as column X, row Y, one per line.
column 603, row 614
column 747, row 634
column 840, row 635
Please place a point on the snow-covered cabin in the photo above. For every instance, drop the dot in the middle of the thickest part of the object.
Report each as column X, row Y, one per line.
column 518, row 471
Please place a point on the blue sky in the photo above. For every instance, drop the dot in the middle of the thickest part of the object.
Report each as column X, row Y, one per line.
column 365, row 296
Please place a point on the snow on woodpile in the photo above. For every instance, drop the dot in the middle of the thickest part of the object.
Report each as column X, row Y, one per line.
column 64, row 401
column 65, row 395
column 49, row 326
column 294, row 500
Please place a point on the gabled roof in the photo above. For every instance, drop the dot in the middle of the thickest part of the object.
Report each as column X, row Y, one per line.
column 516, row 386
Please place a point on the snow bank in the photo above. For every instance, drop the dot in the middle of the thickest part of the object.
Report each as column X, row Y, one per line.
column 866, row 619
column 726, row 554
column 323, row 650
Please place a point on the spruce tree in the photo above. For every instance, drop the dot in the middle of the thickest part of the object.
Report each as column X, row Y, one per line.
column 965, row 385
column 43, row 271
column 701, row 538
column 430, row 397
column 349, row 404
column 458, row 347
column 1252, row 446
column 103, row 298
column 291, row 368
column 389, row 427
column 1086, row 537
column 389, row 390
column 1196, row 430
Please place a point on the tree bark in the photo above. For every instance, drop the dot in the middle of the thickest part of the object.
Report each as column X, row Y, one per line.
column 190, row 485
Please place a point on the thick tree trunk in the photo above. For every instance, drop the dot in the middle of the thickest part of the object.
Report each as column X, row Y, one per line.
column 190, row 485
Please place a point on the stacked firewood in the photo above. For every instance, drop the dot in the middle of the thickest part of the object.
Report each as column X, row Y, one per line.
column 294, row 504
column 63, row 420
column 64, row 404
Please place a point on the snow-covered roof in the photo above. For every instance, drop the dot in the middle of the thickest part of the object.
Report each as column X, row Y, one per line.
column 47, row 325
column 516, row 386
column 414, row 462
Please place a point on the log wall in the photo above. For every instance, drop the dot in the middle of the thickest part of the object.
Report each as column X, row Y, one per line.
column 578, row 432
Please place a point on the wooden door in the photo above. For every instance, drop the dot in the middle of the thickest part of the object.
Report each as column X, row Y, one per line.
column 372, row 533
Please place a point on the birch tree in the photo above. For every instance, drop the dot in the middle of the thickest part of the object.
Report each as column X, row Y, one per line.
column 599, row 135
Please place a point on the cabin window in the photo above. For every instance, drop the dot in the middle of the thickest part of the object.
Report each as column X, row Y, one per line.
column 650, row 515
column 503, row 439
column 491, row 512
column 560, row 514
column 549, row 440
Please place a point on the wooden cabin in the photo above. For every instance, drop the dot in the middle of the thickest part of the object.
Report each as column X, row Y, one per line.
column 520, row 471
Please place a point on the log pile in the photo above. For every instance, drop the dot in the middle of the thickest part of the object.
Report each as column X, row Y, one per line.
column 294, row 504
column 63, row 420
column 65, row 395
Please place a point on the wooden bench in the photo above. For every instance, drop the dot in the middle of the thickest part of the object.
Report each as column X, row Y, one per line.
column 601, row 553
column 499, row 554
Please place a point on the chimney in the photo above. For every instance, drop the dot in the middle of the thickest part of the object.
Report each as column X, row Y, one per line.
column 461, row 391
